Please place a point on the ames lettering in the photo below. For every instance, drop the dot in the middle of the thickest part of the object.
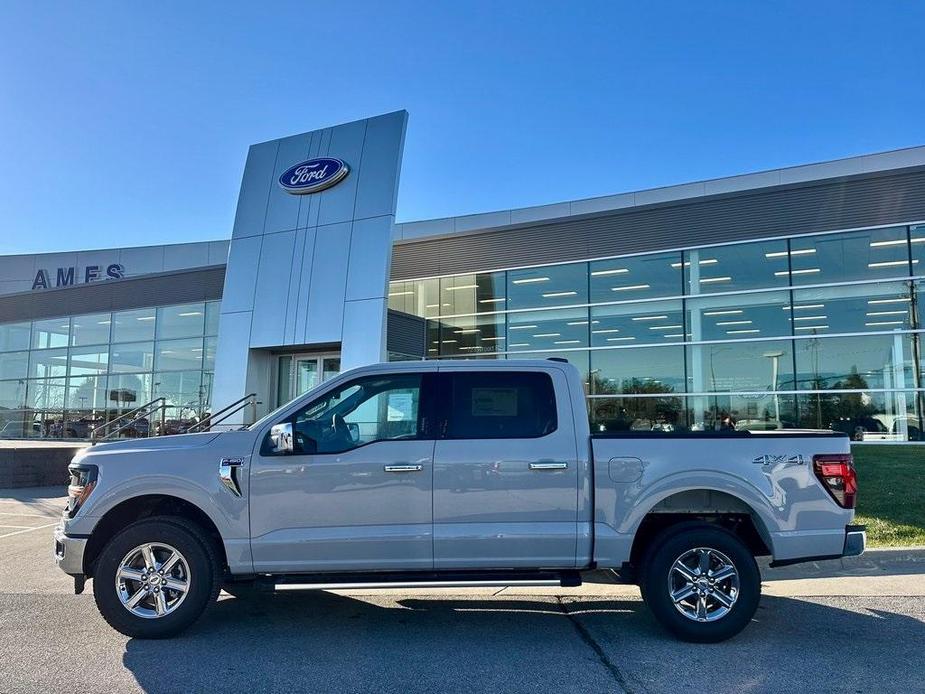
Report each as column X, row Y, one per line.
column 66, row 276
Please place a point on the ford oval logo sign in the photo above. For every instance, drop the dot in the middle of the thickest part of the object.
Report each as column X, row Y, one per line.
column 313, row 175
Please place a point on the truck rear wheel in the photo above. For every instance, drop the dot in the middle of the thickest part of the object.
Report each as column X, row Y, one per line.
column 155, row 578
column 702, row 584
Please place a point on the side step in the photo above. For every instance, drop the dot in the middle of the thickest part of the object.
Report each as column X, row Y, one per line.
column 422, row 580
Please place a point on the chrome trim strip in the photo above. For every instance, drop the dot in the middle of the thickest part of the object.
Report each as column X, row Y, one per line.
column 414, row 584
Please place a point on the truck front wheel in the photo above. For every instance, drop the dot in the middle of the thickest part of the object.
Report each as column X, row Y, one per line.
column 155, row 578
column 702, row 584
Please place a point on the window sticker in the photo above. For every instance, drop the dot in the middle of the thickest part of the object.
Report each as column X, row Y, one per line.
column 494, row 402
column 401, row 407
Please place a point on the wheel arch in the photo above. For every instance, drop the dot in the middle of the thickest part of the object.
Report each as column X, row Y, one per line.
column 147, row 506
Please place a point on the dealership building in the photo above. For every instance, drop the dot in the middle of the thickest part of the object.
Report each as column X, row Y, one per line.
column 790, row 298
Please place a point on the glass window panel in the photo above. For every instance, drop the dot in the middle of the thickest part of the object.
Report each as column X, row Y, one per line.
column 918, row 299
column 15, row 336
column 745, row 366
column 639, row 277
column 736, row 267
column 861, row 362
column 92, row 329
column 88, row 360
column 14, row 364
column 733, row 411
column 637, row 324
column 471, row 335
column 556, row 285
column 137, row 356
column 185, row 320
column 857, row 255
column 852, row 309
column 739, row 317
column 917, row 239
column 86, row 395
column 127, row 391
column 547, row 330
column 662, row 413
column 480, row 293
column 182, row 390
column 580, row 358
column 417, row 297
column 50, row 333
column 213, row 309
column 12, row 395
column 131, row 326
column 865, row 416
column 207, row 378
column 177, row 355
column 208, row 353
column 46, row 394
column 650, row 370
column 48, row 363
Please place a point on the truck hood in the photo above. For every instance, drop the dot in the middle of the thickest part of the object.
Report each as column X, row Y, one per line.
column 157, row 443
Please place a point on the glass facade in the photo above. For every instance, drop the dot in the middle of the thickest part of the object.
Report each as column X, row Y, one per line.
column 815, row 331
column 62, row 377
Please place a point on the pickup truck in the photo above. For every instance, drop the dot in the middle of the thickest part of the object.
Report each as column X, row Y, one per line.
column 451, row 473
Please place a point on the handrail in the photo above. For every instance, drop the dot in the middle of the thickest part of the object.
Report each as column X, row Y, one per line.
column 146, row 407
column 162, row 407
column 206, row 423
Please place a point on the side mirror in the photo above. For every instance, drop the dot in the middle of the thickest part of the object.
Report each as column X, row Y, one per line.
column 281, row 438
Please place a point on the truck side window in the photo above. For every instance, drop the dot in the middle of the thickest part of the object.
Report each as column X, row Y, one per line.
column 500, row 405
column 373, row 408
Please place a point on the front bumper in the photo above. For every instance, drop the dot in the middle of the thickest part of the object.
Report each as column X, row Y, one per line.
column 69, row 552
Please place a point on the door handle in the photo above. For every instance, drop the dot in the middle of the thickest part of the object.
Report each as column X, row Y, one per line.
column 403, row 468
column 548, row 466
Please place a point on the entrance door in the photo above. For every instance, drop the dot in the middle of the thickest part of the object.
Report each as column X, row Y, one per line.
column 299, row 373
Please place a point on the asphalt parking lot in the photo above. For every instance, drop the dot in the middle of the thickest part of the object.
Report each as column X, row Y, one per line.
column 859, row 632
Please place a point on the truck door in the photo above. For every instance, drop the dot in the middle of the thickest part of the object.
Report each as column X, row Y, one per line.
column 505, row 470
column 356, row 492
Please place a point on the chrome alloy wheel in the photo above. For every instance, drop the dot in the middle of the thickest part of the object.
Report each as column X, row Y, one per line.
column 703, row 584
column 153, row 580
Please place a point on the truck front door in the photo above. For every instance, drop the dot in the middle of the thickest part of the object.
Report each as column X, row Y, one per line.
column 505, row 470
column 356, row 492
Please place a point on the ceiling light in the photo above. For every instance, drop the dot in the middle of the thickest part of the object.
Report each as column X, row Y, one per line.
column 553, row 295
column 186, row 314
column 491, row 339
column 566, row 342
column 449, row 342
column 888, row 313
column 802, row 307
column 687, row 263
column 103, row 322
column 491, row 301
column 145, row 318
column 605, row 332
column 467, row 331
column 806, row 271
column 521, row 327
column 897, row 300
column 674, row 335
column 460, row 286
column 520, row 344
column 530, row 280
column 734, row 322
column 664, row 327
column 891, row 263
column 730, row 312
column 809, row 318
column 390, row 294
column 629, row 287
column 707, row 280
column 615, row 271
column 650, row 318
column 548, row 335
column 797, row 251
column 742, row 332
column 881, row 244
column 619, row 339
column 886, row 322
column 577, row 322
column 432, row 306
column 810, row 327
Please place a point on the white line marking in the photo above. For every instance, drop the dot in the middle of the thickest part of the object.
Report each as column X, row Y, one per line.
column 20, row 532
column 18, row 527
column 28, row 515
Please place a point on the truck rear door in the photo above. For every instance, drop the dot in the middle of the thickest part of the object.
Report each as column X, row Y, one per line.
column 505, row 470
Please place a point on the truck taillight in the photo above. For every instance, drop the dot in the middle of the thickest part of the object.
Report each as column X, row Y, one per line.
column 836, row 472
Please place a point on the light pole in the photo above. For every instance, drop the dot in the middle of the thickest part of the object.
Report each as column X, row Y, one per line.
column 775, row 363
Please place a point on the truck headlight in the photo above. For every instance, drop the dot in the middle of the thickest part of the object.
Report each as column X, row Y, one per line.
column 81, row 485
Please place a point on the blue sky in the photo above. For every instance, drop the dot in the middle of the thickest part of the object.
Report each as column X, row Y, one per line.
column 128, row 123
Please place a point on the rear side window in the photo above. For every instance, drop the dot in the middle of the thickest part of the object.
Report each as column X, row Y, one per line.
column 500, row 405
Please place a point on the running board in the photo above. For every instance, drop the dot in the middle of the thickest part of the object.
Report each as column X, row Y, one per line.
column 414, row 584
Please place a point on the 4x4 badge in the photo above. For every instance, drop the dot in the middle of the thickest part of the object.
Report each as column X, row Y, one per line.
column 770, row 459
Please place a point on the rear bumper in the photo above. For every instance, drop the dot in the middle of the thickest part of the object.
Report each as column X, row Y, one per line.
column 69, row 552
column 855, row 540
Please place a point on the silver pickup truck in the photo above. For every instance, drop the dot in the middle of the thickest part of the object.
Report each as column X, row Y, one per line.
column 451, row 473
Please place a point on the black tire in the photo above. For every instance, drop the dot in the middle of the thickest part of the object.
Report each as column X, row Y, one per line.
column 657, row 575
column 204, row 571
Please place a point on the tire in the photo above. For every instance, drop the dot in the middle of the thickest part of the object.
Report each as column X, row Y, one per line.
column 712, row 612
column 157, row 614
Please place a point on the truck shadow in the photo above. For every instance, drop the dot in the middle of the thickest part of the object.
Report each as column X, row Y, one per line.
column 327, row 642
